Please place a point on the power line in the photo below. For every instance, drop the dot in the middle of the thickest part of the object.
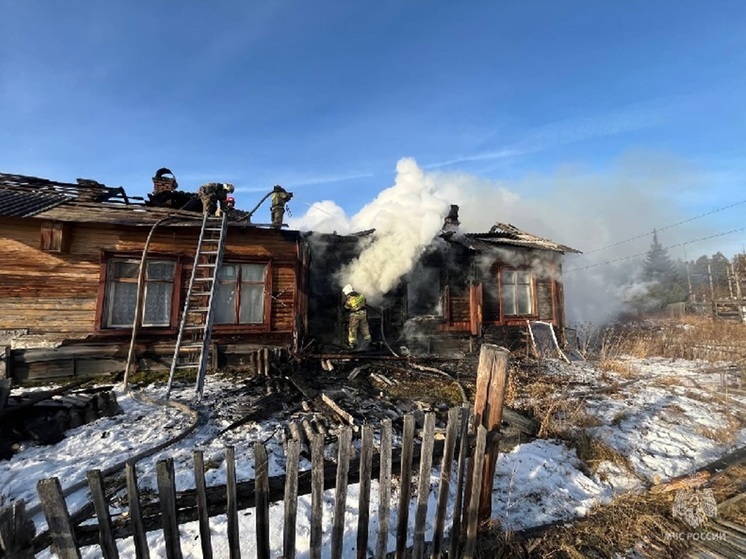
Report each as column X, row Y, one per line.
column 665, row 248
column 666, row 227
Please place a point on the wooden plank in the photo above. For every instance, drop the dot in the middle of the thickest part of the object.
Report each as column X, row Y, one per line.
column 98, row 496
column 317, row 495
column 492, row 375
column 345, row 416
column 404, row 486
column 167, row 499
column 133, row 498
column 292, row 457
column 55, row 510
column 340, row 492
column 423, row 487
column 384, row 490
column 366, row 463
column 16, row 531
column 445, row 484
column 460, row 471
column 205, row 536
column 261, row 471
column 234, row 546
column 474, row 505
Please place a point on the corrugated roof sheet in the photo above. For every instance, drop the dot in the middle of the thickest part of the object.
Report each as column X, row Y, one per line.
column 505, row 234
column 27, row 204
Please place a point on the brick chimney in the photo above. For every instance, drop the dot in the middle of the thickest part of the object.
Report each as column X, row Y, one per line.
column 163, row 183
column 451, row 221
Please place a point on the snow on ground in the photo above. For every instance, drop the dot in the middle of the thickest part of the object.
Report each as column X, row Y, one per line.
column 668, row 418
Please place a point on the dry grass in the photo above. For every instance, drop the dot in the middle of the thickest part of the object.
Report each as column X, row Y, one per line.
column 690, row 338
column 593, row 452
column 630, row 521
column 621, row 368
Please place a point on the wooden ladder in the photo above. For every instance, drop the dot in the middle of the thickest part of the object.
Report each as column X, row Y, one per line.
column 192, row 350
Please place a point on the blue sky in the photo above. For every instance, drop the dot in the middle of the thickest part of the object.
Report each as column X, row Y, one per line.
column 326, row 97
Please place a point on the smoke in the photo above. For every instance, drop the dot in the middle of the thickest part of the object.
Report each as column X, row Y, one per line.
column 577, row 207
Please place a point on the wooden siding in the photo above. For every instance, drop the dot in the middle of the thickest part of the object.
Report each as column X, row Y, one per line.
column 57, row 293
column 548, row 298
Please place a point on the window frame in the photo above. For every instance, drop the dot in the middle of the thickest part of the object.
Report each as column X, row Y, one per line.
column 531, row 290
column 101, row 303
column 264, row 325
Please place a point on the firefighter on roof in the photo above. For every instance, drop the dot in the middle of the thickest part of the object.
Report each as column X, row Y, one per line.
column 358, row 317
column 214, row 196
column 280, row 197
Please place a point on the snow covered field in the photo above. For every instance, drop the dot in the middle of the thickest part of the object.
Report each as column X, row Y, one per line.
column 666, row 417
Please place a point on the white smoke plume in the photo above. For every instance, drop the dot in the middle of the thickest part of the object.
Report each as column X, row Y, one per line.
column 575, row 207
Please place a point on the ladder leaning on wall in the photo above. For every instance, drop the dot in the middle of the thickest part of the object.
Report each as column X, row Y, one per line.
column 192, row 350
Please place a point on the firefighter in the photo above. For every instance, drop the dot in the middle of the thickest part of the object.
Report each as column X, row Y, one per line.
column 214, row 196
column 280, row 197
column 358, row 317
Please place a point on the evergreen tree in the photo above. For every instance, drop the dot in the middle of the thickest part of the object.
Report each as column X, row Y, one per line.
column 658, row 266
column 668, row 285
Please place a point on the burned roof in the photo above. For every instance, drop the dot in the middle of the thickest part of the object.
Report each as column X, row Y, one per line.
column 86, row 201
column 505, row 234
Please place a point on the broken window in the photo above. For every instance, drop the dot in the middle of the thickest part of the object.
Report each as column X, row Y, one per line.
column 240, row 294
column 516, row 293
column 424, row 292
column 121, row 292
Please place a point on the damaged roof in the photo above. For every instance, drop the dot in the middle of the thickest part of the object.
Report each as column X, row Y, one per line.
column 86, row 201
column 505, row 234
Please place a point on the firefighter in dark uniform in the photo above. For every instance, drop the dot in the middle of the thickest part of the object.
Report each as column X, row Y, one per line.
column 214, row 196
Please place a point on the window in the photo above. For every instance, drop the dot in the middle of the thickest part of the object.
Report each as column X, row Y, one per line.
column 516, row 293
column 55, row 236
column 240, row 294
column 424, row 292
column 121, row 292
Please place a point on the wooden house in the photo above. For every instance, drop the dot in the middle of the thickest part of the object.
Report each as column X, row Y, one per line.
column 466, row 288
column 69, row 259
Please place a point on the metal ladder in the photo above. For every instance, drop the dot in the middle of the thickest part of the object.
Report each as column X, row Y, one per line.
column 192, row 350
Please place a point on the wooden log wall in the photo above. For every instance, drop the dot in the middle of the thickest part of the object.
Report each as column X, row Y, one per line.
column 57, row 293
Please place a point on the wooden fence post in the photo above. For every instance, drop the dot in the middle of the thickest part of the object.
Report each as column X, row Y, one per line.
column 58, row 518
column 423, row 487
column 205, row 537
column 366, row 463
column 133, row 499
column 234, row 546
column 384, row 490
column 492, row 380
column 340, row 492
column 291, row 498
column 105, row 530
column 16, row 531
column 460, row 471
column 473, row 519
column 405, row 489
column 261, row 473
column 167, row 497
column 445, row 482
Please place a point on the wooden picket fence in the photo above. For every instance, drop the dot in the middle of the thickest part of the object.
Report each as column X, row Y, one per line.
column 68, row 534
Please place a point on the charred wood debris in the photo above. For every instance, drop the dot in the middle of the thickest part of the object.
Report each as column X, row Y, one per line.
column 305, row 393
column 44, row 416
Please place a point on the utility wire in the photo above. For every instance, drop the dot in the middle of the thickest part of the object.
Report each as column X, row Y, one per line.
column 644, row 253
column 665, row 228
